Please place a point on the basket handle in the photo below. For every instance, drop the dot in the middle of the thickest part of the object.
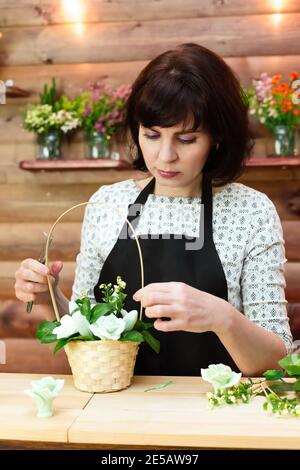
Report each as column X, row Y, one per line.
column 53, row 299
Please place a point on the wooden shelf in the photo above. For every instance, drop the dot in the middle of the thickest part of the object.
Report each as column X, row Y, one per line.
column 15, row 92
column 107, row 163
column 274, row 161
column 70, row 165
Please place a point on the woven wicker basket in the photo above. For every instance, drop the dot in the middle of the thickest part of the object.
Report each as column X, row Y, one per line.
column 104, row 365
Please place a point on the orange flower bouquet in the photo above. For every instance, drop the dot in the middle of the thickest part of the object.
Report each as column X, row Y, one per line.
column 275, row 104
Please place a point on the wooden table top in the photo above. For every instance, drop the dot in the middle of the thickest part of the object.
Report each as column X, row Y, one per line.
column 18, row 420
column 174, row 416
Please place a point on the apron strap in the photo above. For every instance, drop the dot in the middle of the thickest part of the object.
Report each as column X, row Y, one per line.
column 207, row 203
column 140, row 201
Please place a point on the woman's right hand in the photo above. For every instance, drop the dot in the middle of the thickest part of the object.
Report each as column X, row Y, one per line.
column 31, row 282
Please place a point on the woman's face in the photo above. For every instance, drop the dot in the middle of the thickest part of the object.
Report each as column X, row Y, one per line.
column 174, row 149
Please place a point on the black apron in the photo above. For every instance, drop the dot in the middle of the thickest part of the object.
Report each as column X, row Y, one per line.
column 167, row 259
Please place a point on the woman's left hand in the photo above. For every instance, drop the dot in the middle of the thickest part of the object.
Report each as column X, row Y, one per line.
column 189, row 309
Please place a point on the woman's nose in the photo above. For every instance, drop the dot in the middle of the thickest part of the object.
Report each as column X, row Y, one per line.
column 167, row 153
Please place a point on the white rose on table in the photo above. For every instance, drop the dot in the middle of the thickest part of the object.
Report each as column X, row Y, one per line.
column 108, row 327
column 220, row 376
column 43, row 392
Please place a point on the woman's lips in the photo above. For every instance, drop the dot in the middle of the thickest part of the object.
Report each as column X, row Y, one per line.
column 168, row 174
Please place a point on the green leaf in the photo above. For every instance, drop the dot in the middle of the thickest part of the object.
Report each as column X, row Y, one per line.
column 132, row 335
column 82, row 338
column 291, row 363
column 44, row 332
column 141, row 326
column 85, row 307
column 160, row 386
column 61, row 343
column 273, row 374
column 99, row 310
column 281, row 387
column 48, row 96
column 297, row 386
column 153, row 342
column 293, row 371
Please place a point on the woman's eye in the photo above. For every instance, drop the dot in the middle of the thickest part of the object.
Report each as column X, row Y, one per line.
column 151, row 136
column 182, row 141
column 187, row 141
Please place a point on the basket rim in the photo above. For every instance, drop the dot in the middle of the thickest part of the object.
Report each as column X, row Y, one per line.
column 102, row 341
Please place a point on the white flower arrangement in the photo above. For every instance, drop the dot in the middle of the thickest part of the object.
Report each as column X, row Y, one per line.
column 51, row 114
column 228, row 388
column 42, row 118
column 107, row 320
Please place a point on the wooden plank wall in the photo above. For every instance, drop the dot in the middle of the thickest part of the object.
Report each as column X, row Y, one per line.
column 114, row 41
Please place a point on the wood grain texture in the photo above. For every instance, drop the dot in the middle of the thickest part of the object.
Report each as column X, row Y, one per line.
column 20, row 240
column 15, row 322
column 30, row 12
column 136, row 40
column 292, row 274
column 13, row 175
column 177, row 415
column 29, row 356
column 71, row 78
column 294, row 316
column 291, row 234
column 67, row 165
column 18, row 416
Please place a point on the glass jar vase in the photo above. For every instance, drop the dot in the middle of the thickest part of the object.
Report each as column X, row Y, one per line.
column 285, row 141
column 98, row 145
column 49, row 145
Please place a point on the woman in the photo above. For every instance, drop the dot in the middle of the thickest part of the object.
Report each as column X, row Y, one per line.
column 213, row 249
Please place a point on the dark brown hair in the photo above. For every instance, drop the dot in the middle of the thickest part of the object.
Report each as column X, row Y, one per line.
column 192, row 80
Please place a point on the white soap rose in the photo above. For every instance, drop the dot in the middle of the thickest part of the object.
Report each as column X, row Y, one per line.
column 130, row 318
column 43, row 393
column 81, row 323
column 220, row 376
column 73, row 307
column 47, row 386
column 67, row 327
column 108, row 327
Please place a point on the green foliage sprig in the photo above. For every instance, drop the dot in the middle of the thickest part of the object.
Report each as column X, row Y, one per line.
column 241, row 393
column 52, row 113
column 49, row 94
column 278, row 403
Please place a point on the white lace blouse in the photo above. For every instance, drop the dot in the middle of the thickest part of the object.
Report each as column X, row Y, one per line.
column 247, row 234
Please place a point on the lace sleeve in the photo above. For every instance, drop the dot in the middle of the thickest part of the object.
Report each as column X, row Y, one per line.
column 262, row 279
column 88, row 261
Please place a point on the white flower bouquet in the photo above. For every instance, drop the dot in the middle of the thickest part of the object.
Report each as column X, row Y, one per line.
column 52, row 114
column 42, row 118
column 101, row 340
column 282, row 397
